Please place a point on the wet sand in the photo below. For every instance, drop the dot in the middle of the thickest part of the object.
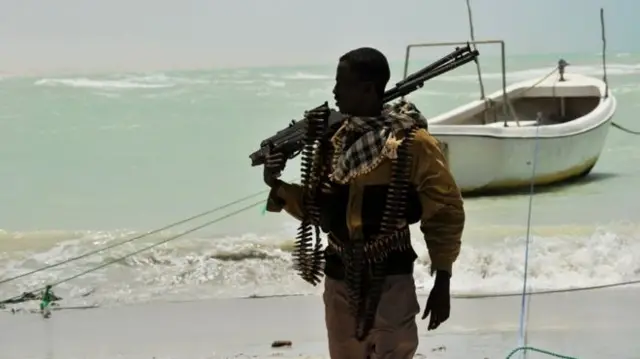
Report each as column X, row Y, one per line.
column 597, row 324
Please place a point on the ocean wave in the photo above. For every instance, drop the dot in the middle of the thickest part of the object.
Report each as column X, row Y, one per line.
column 306, row 76
column 101, row 84
column 251, row 265
column 122, row 82
column 626, row 89
column 273, row 83
column 260, row 82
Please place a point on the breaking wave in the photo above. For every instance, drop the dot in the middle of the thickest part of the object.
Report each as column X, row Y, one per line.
column 250, row 265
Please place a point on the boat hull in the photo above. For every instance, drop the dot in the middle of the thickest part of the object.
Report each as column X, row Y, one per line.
column 494, row 158
column 507, row 163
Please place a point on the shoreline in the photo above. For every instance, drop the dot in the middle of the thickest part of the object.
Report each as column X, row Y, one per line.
column 23, row 307
column 594, row 324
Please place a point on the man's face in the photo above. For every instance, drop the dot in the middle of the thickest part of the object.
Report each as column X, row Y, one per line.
column 351, row 94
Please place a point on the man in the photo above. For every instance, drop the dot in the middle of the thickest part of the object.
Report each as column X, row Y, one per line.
column 386, row 172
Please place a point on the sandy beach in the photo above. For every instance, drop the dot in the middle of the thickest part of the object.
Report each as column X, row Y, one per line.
column 596, row 324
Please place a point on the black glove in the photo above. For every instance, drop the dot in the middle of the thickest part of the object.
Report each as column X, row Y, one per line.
column 439, row 301
column 273, row 167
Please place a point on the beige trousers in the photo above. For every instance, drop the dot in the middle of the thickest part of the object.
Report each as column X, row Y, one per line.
column 394, row 334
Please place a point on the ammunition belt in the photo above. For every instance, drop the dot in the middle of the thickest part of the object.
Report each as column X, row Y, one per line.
column 377, row 249
column 363, row 301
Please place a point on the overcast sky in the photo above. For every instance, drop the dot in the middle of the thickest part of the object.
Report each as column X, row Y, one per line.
column 46, row 35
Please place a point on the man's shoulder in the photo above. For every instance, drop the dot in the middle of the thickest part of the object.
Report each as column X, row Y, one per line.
column 425, row 145
column 403, row 115
column 424, row 141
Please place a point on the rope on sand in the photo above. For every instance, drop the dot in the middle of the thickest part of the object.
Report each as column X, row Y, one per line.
column 541, row 351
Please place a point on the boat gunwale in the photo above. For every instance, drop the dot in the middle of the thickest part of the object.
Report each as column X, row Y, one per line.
column 605, row 110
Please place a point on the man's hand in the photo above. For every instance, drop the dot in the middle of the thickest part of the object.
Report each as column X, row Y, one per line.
column 439, row 302
column 273, row 167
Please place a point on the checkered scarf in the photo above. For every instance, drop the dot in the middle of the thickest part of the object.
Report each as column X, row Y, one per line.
column 376, row 140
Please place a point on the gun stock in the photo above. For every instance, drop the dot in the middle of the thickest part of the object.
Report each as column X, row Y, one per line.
column 289, row 141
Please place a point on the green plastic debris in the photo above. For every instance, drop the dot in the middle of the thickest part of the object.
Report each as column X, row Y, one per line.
column 45, row 303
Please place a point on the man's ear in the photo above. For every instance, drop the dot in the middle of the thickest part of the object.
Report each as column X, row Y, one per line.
column 369, row 87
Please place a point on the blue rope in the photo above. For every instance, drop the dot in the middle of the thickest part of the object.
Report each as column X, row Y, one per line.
column 524, row 307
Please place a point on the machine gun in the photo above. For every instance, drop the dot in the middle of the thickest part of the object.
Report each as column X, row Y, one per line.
column 289, row 141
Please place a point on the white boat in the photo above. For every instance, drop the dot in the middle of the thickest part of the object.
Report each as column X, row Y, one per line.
column 490, row 146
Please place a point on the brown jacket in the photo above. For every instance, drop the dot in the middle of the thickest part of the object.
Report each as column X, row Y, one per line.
column 442, row 219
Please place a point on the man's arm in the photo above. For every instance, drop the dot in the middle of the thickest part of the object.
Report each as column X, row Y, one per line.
column 287, row 196
column 443, row 217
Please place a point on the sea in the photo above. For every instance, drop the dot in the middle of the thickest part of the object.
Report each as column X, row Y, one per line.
column 89, row 161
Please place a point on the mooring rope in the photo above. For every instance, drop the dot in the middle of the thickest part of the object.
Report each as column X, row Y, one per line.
column 624, row 129
column 117, row 244
column 524, row 313
column 144, row 249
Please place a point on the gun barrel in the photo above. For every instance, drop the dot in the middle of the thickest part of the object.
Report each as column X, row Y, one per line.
column 442, row 61
column 418, row 79
column 288, row 141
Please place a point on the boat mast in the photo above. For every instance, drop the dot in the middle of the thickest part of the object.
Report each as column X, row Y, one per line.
column 475, row 47
column 604, row 55
column 478, row 69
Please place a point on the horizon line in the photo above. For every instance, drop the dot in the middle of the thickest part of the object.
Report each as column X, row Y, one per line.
column 107, row 70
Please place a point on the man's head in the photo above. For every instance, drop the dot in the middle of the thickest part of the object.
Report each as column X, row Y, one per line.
column 361, row 79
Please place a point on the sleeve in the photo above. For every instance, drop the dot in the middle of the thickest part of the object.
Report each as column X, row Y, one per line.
column 287, row 196
column 442, row 220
